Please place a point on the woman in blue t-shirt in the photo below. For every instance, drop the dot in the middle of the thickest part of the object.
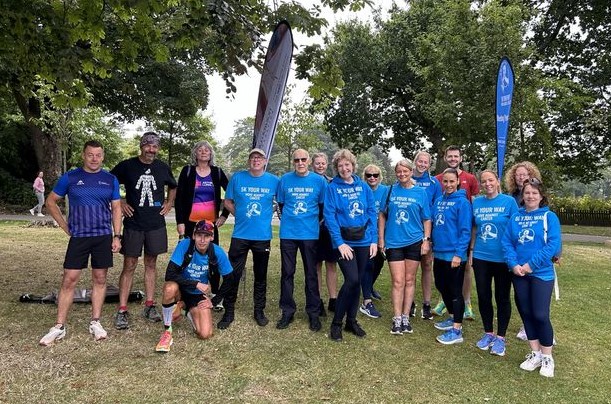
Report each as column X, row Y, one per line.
column 351, row 218
column 404, row 234
column 491, row 213
column 530, row 243
column 451, row 235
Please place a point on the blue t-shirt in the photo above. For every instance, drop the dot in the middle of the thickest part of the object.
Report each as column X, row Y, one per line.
column 379, row 196
column 254, row 203
column 90, row 196
column 301, row 197
column 197, row 270
column 407, row 209
column 490, row 218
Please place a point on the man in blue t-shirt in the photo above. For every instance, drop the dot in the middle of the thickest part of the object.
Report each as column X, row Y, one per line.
column 300, row 197
column 144, row 210
column 250, row 198
column 95, row 214
column 187, row 280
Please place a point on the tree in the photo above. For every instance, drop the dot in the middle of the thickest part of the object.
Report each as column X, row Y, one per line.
column 78, row 45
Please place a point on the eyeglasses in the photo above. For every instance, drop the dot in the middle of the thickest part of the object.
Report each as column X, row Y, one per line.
column 204, row 226
column 300, row 159
column 374, row 175
column 257, row 157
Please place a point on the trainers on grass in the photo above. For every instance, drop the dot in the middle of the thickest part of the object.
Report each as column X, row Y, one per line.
column 498, row 347
column 396, row 326
column 96, row 329
column 532, row 362
column 445, row 325
column 335, row 333
column 354, row 327
column 369, row 310
column 406, row 327
column 468, row 314
column 122, row 320
column 165, row 342
column 522, row 334
column 426, row 312
column 412, row 310
column 451, row 336
column 151, row 313
column 439, row 309
column 32, row 211
column 486, row 341
column 55, row 334
column 547, row 366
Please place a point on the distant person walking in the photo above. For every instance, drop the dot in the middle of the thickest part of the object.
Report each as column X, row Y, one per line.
column 95, row 214
column 39, row 191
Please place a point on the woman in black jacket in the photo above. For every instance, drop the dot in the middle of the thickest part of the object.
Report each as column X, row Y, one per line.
column 198, row 196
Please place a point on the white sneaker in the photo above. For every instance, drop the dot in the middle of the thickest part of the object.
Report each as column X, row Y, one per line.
column 547, row 366
column 55, row 334
column 40, row 215
column 522, row 334
column 98, row 332
column 32, row 211
column 190, row 318
column 532, row 362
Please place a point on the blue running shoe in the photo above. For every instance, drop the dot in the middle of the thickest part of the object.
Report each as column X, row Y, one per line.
column 369, row 310
column 498, row 347
column 445, row 325
column 452, row 336
column 376, row 295
column 486, row 341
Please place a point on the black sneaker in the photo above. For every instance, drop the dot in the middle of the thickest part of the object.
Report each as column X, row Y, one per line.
column 331, row 306
column 315, row 324
column 376, row 295
column 412, row 310
column 260, row 318
column 225, row 322
column 282, row 323
column 396, row 326
column 426, row 312
column 355, row 328
column 322, row 312
column 122, row 320
column 406, row 327
column 335, row 333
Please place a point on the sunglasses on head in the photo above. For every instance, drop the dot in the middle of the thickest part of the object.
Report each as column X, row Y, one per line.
column 300, row 159
column 532, row 181
column 204, row 226
column 374, row 175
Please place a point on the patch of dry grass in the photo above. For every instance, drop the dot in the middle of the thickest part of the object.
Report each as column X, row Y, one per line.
column 247, row 363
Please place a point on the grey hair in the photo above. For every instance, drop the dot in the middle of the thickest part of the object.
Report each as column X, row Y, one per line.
column 198, row 145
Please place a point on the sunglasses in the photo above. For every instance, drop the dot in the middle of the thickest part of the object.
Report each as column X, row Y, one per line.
column 204, row 226
column 300, row 159
column 532, row 181
column 374, row 175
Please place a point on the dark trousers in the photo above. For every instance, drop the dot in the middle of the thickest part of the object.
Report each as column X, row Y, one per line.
column 347, row 302
column 288, row 253
column 238, row 252
column 533, row 297
column 485, row 273
column 372, row 272
column 448, row 282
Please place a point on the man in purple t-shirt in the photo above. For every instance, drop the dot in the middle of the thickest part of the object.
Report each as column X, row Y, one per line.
column 95, row 214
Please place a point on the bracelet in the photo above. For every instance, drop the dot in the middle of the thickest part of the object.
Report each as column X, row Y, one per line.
column 120, row 237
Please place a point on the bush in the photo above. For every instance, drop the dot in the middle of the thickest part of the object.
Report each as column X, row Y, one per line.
column 581, row 203
column 15, row 191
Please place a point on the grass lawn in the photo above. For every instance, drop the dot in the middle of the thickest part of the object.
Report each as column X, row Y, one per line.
column 589, row 230
column 247, row 363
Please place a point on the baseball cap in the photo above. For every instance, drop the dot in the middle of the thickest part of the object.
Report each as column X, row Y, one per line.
column 149, row 138
column 257, row 150
column 204, row 226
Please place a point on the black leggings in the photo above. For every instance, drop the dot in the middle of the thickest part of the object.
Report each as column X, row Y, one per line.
column 348, row 298
column 448, row 282
column 485, row 273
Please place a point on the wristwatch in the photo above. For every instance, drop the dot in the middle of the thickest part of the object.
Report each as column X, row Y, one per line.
column 120, row 237
column 426, row 238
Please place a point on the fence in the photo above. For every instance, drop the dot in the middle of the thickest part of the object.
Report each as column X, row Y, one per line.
column 582, row 217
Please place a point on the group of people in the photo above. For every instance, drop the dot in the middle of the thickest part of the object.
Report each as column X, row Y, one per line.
column 348, row 220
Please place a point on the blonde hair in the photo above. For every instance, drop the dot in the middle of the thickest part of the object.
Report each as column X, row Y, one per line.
column 510, row 176
column 320, row 156
column 498, row 187
column 373, row 166
column 344, row 154
column 198, row 145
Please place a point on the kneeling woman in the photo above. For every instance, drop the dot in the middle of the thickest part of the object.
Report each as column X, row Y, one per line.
column 404, row 233
column 187, row 278
column 451, row 236
column 531, row 242
column 351, row 218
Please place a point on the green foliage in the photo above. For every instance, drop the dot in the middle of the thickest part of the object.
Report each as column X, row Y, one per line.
column 15, row 191
column 582, row 203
